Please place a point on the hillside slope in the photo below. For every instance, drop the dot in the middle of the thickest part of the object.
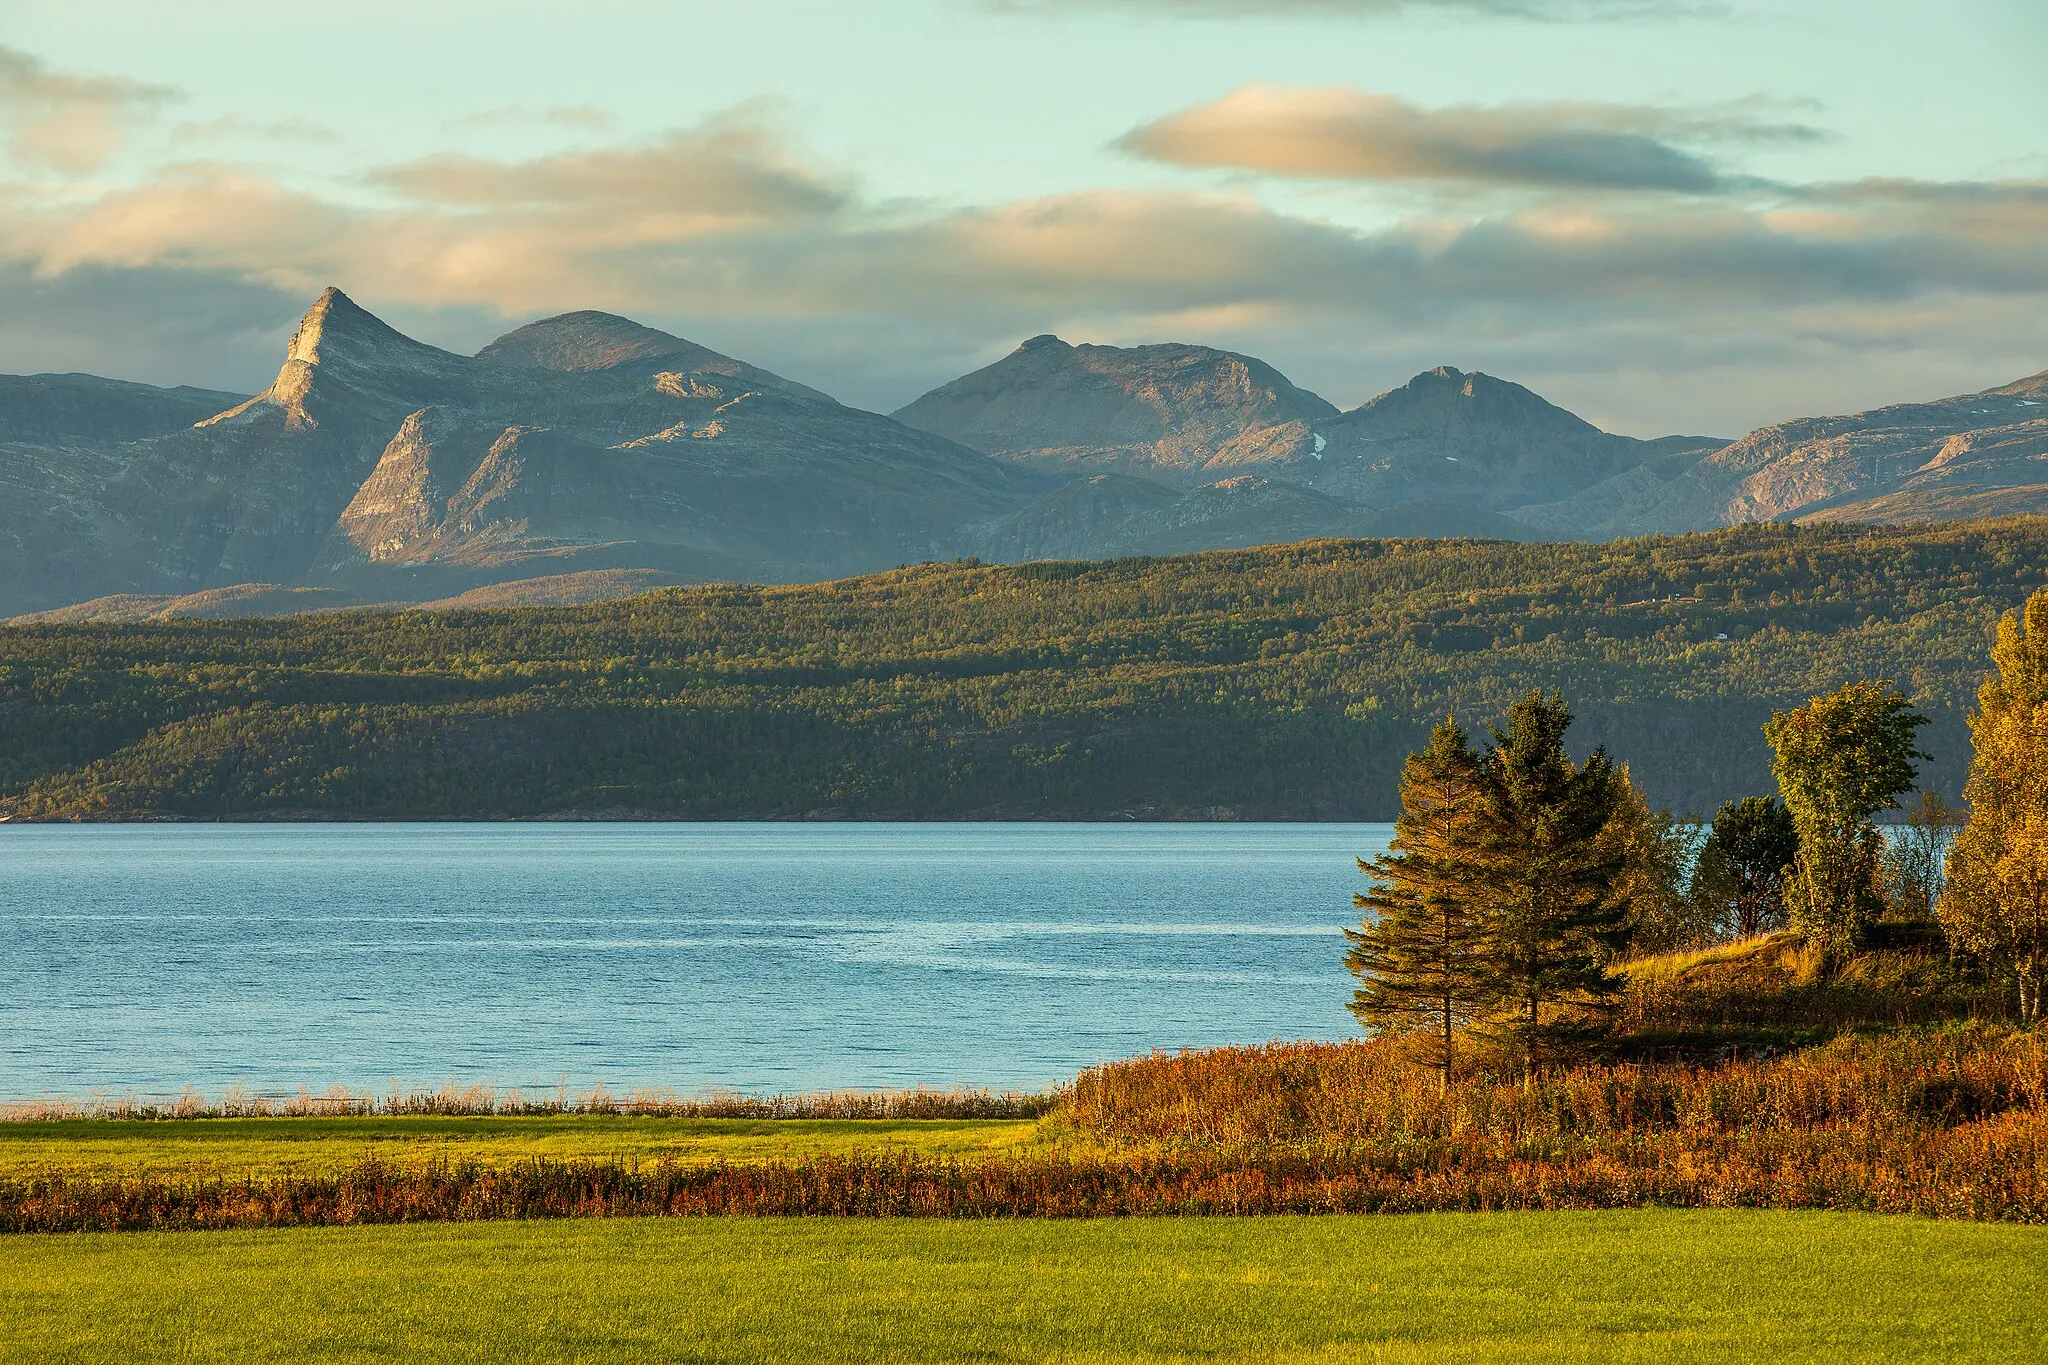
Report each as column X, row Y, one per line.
column 1277, row 683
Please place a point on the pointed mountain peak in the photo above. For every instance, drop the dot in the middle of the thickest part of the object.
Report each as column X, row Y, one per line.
column 340, row 348
column 337, row 333
column 336, row 326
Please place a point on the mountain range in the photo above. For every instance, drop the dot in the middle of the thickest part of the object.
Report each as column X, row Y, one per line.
column 587, row 456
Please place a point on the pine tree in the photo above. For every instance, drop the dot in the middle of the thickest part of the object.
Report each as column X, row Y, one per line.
column 1839, row 760
column 1552, row 881
column 1420, row 959
column 1995, row 905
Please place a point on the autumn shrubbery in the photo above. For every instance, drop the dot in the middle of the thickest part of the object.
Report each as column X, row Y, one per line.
column 1947, row 1123
column 1366, row 1099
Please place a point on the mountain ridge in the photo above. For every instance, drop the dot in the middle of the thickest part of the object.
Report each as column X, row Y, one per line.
column 585, row 448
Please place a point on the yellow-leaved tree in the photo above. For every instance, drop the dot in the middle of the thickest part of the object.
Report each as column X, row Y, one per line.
column 1996, row 903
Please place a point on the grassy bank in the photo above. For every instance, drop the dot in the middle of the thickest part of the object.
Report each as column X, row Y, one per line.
column 1646, row 1285
column 267, row 1148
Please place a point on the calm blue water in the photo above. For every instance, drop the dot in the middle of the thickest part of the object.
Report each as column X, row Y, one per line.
column 138, row 959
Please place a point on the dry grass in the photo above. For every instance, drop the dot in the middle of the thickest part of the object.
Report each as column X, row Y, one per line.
column 482, row 1101
column 1774, row 991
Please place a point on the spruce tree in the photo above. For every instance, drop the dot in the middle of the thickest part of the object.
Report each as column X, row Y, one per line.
column 1551, row 880
column 1996, row 902
column 1420, row 959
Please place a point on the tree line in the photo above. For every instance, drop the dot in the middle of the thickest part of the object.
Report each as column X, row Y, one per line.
column 1517, row 878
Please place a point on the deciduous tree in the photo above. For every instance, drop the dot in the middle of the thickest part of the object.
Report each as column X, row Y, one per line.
column 1839, row 760
column 1996, row 901
column 1743, row 865
column 1659, row 851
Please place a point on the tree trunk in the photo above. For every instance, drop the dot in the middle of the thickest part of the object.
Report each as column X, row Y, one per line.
column 1444, row 1076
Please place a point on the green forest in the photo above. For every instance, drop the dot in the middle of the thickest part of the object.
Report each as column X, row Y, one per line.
column 1279, row 683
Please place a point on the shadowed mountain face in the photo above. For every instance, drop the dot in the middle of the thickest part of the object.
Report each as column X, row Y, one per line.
column 82, row 410
column 1474, row 441
column 1251, row 459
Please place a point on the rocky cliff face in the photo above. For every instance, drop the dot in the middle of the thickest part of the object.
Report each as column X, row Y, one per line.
column 1981, row 454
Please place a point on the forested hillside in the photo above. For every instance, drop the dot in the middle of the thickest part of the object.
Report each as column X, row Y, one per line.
column 1275, row 683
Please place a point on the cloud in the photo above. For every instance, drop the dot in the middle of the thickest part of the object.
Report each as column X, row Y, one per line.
column 232, row 129
column 1341, row 132
column 723, row 226
column 729, row 170
column 587, row 118
column 69, row 124
column 159, row 324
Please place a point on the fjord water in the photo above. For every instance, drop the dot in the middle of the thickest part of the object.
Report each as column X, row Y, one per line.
column 140, row 959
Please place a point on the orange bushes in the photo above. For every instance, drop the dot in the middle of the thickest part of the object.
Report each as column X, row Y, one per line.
column 1342, row 1097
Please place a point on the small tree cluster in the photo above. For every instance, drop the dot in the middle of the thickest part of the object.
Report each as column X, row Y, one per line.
column 1504, row 895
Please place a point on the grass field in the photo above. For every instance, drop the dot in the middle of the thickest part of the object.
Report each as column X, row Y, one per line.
column 1636, row 1285
column 265, row 1147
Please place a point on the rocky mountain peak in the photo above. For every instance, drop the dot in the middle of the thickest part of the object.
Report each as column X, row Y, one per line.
column 338, row 332
column 1165, row 411
column 590, row 342
column 582, row 341
column 1449, row 396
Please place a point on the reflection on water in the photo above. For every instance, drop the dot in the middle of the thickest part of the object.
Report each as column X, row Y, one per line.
column 136, row 959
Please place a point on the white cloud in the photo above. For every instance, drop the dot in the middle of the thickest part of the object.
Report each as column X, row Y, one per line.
column 73, row 125
column 1714, row 308
column 1342, row 132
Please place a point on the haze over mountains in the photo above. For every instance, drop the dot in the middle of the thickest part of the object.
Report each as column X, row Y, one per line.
column 587, row 456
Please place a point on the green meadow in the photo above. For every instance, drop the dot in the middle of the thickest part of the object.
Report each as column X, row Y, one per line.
column 232, row 1148
column 1651, row 1285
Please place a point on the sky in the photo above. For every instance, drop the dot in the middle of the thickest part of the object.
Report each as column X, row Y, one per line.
column 1692, row 216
